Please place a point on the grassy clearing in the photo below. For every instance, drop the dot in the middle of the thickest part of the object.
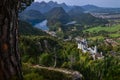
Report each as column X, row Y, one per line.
column 96, row 37
column 118, row 41
column 114, row 28
column 116, row 35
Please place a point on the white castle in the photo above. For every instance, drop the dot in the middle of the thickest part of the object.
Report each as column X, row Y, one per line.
column 82, row 44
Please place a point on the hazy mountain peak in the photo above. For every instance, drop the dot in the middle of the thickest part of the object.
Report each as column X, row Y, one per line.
column 76, row 10
column 52, row 2
column 58, row 10
column 58, row 14
column 43, row 2
column 89, row 6
column 44, row 7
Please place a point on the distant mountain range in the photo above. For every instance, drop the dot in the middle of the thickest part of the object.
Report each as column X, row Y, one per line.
column 54, row 12
column 44, row 7
column 96, row 9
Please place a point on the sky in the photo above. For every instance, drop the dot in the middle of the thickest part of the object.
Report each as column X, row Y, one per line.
column 100, row 3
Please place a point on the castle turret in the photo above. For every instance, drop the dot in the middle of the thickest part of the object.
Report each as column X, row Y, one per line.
column 79, row 46
column 95, row 49
column 83, row 45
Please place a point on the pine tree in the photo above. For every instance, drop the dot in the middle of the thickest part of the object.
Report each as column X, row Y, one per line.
column 10, row 65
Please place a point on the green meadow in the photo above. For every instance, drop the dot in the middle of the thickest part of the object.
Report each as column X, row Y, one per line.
column 114, row 28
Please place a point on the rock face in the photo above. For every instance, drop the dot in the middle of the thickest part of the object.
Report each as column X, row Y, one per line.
column 77, row 75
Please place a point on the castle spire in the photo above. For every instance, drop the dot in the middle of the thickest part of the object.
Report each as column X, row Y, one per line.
column 95, row 49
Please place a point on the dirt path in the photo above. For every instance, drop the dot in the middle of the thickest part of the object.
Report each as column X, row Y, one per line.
column 75, row 74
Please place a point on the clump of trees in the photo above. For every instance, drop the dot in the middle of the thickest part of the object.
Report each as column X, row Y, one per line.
column 66, row 55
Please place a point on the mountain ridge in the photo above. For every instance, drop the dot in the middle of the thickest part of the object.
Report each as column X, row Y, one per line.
column 59, row 13
column 32, row 16
column 51, row 4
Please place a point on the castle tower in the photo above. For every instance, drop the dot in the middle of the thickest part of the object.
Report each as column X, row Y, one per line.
column 79, row 46
column 95, row 49
column 83, row 45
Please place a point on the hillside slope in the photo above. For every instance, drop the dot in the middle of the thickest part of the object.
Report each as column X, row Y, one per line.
column 27, row 29
column 31, row 16
column 57, row 14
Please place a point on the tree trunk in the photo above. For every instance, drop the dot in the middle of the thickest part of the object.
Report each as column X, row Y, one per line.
column 10, row 67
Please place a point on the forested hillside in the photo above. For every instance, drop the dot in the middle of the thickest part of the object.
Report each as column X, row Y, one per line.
column 27, row 29
column 48, row 51
column 77, row 44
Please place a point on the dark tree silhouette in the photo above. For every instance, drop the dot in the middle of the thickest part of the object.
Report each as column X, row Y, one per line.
column 10, row 65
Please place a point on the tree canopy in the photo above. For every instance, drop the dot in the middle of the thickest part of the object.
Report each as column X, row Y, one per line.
column 24, row 4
